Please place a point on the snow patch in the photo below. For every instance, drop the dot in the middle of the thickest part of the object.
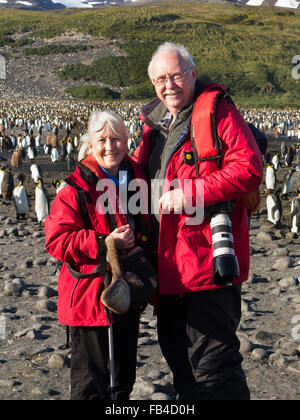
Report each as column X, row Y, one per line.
column 255, row 2
column 293, row 4
column 24, row 3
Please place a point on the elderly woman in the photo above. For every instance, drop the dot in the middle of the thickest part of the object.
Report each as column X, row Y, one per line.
column 72, row 233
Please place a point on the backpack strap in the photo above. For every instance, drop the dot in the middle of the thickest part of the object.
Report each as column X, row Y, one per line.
column 84, row 198
column 206, row 143
column 101, row 268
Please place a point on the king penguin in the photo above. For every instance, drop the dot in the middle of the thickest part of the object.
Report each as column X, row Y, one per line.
column 283, row 149
column 287, row 183
column 31, row 153
column 2, row 173
column 42, row 203
column 298, row 157
column 36, row 172
column 295, row 213
column 274, row 208
column 59, row 185
column 289, row 157
column 298, row 154
column 47, row 149
column 276, row 162
column 54, row 155
column 70, row 161
column 270, row 177
column 20, row 198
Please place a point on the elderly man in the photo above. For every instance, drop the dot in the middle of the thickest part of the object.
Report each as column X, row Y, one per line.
column 194, row 132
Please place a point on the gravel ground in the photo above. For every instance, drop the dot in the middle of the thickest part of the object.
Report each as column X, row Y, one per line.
column 35, row 365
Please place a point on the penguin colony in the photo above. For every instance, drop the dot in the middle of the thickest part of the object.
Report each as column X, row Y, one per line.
column 12, row 180
column 56, row 130
column 285, row 193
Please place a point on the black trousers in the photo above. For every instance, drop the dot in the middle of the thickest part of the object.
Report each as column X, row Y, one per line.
column 197, row 335
column 90, row 378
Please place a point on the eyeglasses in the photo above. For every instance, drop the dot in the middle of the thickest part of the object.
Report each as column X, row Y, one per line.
column 177, row 77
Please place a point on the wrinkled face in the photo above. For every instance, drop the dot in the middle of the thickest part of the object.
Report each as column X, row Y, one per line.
column 175, row 94
column 109, row 149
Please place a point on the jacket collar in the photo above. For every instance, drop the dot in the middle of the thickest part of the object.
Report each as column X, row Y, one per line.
column 90, row 171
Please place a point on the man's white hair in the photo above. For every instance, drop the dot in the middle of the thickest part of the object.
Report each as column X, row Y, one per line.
column 170, row 46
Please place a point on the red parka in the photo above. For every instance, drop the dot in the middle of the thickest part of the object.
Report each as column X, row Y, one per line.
column 185, row 255
column 68, row 240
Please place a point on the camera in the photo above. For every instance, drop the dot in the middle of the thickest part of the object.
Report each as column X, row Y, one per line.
column 225, row 263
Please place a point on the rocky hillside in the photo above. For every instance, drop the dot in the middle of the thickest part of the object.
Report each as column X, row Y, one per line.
column 254, row 51
column 34, row 76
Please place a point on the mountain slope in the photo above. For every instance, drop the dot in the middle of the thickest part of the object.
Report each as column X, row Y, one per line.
column 254, row 51
column 39, row 5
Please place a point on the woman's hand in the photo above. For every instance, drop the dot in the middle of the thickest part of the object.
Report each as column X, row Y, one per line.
column 124, row 237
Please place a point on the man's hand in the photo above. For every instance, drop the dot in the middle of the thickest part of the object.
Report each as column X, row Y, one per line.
column 173, row 201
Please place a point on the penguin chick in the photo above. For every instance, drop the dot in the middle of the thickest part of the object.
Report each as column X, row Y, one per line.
column 7, row 185
column 16, row 159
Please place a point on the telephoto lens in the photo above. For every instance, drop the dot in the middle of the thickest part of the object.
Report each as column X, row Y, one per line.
column 225, row 263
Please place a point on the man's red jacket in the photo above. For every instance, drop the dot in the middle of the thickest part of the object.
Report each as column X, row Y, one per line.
column 185, row 255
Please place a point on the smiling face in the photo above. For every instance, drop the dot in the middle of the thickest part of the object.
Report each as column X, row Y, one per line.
column 109, row 149
column 174, row 94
